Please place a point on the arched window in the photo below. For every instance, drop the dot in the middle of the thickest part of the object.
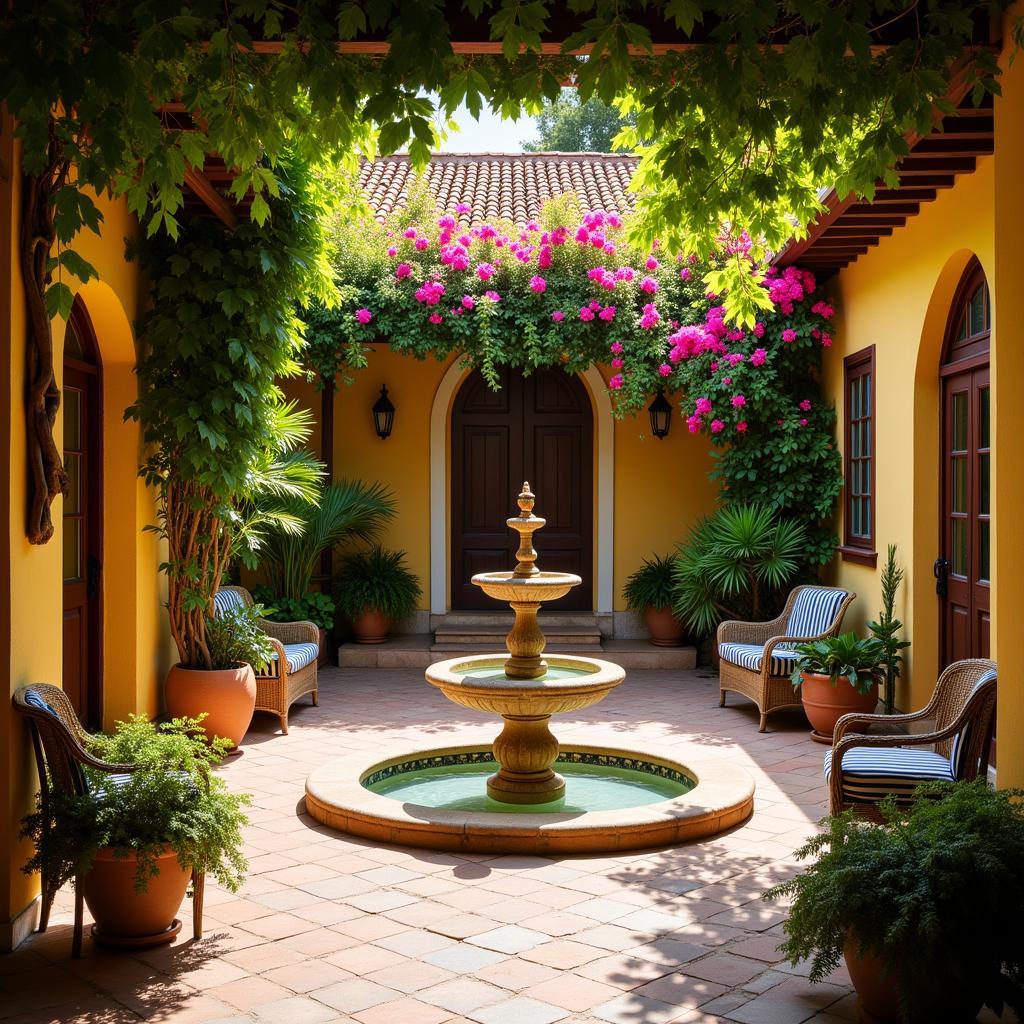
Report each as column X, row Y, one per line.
column 970, row 321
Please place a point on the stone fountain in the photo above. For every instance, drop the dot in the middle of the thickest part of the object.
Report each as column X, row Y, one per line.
column 525, row 688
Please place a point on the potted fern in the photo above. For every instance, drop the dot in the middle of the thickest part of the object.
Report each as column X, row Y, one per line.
column 375, row 589
column 836, row 676
column 650, row 590
column 925, row 907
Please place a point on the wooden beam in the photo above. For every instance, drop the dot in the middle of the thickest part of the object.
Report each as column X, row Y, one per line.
column 870, row 222
column 932, row 163
column 942, row 145
column 888, row 196
column 865, row 232
column 867, row 210
column 925, row 180
column 210, row 197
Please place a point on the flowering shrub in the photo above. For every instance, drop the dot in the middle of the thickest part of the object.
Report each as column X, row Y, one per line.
column 569, row 289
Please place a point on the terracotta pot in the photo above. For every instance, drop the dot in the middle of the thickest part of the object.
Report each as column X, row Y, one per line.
column 665, row 629
column 370, row 627
column 128, row 918
column 227, row 695
column 322, row 657
column 824, row 704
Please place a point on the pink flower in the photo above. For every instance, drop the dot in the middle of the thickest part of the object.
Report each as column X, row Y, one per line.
column 649, row 285
column 607, row 314
column 409, row 232
column 714, row 365
column 586, row 313
column 727, row 381
column 617, row 363
column 738, row 400
column 717, row 426
column 485, row 271
column 624, row 274
column 430, row 292
column 693, row 424
column 462, row 207
column 468, row 302
column 685, row 274
column 823, row 309
column 616, row 382
column 446, row 222
column 703, row 406
column 759, row 330
column 582, row 235
column 364, row 316
column 826, row 339
column 742, row 426
column 544, row 257
column 758, row 357
column 435, row 318
column 650, row 316
column 664, row 370
column 803, row 423
column 492, row 295
column 538, row 284
column 402, row 270
column 652, row 263
column 392, row 251
column 609, row 247
column 558, row 316
column 465, row 241
column 789, row 335
column 806, row 405
column 616, row 347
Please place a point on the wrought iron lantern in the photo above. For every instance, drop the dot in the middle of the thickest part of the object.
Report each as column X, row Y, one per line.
column 661, row 415
column 383, row 414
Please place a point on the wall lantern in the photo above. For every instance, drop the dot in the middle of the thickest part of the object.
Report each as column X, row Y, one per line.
column 383, row 414
column 661, row 415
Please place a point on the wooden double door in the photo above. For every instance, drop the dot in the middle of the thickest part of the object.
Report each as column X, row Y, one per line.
column 537, row 428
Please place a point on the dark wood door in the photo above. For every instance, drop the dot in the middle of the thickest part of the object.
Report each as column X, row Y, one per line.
column 81, row 529
column 537, row 428
column 966, row 511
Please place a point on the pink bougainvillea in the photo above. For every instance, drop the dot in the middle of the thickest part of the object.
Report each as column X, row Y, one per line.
column 364, row 316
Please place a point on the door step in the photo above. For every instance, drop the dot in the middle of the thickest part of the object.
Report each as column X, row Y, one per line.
column 459, row 636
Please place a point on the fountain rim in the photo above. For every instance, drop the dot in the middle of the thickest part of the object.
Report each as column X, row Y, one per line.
column 722, row 797
column 604, row 675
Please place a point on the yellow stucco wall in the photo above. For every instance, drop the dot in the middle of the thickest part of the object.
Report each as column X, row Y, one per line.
column 897, row 298
column 135, row 635
column 660, row 487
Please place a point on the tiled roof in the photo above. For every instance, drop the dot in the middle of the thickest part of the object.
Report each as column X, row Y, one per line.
column 503, row 185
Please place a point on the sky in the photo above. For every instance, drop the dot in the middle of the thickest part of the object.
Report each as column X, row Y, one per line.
column 488, row 135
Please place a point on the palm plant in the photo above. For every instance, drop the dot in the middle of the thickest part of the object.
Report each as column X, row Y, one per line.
column 734, row 565
column 338, row 513
column 886, row 628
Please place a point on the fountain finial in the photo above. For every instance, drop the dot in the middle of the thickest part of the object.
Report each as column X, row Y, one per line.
column 525, row 524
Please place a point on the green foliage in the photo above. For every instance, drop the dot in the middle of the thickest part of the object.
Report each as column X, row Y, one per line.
column 652, row 585
column 777, row 102
column 567, row 125
column 935, row 893
column 335, row 515
column 235, row 637
column 735, row 565
column 376, row 580
column 847, row 656
column 171, row 799
column 312, row 606
column 886, row 628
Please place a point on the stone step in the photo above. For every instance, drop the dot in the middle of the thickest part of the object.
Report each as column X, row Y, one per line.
column 445, row 636
column 501, row 621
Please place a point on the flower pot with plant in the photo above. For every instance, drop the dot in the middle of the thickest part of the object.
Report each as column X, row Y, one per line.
column 925, row 907
column 225, row 693
column 886, row 628
column 133, row 840
column 650, row 590
column 836, row 676
column 375, row 589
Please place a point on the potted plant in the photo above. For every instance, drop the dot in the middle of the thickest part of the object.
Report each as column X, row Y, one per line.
column 312, row 606
column 886, row 628
column 835, row 676
column 650, row 590
column 225, row 693
column 132, row 841
column 925, row 907
column 374, row 590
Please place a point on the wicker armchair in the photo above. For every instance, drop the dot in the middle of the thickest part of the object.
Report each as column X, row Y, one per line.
column 292, row 673
column 862, row 770
column 756, row 658
column 60, row 743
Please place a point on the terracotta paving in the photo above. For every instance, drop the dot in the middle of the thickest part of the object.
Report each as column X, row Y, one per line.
column 330, row 928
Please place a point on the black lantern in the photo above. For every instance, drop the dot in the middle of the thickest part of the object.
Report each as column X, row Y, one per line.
column 383, row 414
column 661, row 415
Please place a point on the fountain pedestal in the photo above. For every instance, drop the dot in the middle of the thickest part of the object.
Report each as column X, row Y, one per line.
column 526, row 749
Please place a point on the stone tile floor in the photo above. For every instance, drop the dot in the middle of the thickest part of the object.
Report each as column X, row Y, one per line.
column 330, row 928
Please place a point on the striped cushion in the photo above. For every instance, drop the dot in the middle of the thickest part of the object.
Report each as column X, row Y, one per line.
column 300, row 655
column 961, row 741
column 33, row 700
column 227, row 601
column 871, row 773
column 814, row 611
column 749, row 656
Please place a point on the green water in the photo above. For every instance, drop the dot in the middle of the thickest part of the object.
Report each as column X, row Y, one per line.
column 496, row 674
column 587, row 788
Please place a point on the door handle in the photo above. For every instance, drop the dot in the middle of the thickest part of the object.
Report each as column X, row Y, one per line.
column 940, row 570
column 92, row 576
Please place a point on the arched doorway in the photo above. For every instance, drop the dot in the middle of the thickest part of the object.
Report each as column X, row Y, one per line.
column 538, row 428
column 965, row 529
column 83, row 519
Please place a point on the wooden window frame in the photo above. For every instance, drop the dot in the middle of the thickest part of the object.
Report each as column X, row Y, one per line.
column 859, row 549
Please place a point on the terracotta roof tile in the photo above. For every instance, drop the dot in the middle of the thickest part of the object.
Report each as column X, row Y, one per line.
column 502, row 185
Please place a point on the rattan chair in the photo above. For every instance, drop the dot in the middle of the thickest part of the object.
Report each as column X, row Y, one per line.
column 861, row 770
column 60, row 744
column 755, row 658
column 292, row 673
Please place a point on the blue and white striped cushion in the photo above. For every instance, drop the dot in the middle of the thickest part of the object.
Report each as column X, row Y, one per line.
column 227, row 601
column 872, row 773
column 958, row 752
column 300, row 655
column 814, row 611
column 750, row 656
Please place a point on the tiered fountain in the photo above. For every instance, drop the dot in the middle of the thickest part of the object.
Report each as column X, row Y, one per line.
column 506, row 796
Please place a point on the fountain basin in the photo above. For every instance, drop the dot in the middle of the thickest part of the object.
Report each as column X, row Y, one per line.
column 541, row 586
column 716, row 796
